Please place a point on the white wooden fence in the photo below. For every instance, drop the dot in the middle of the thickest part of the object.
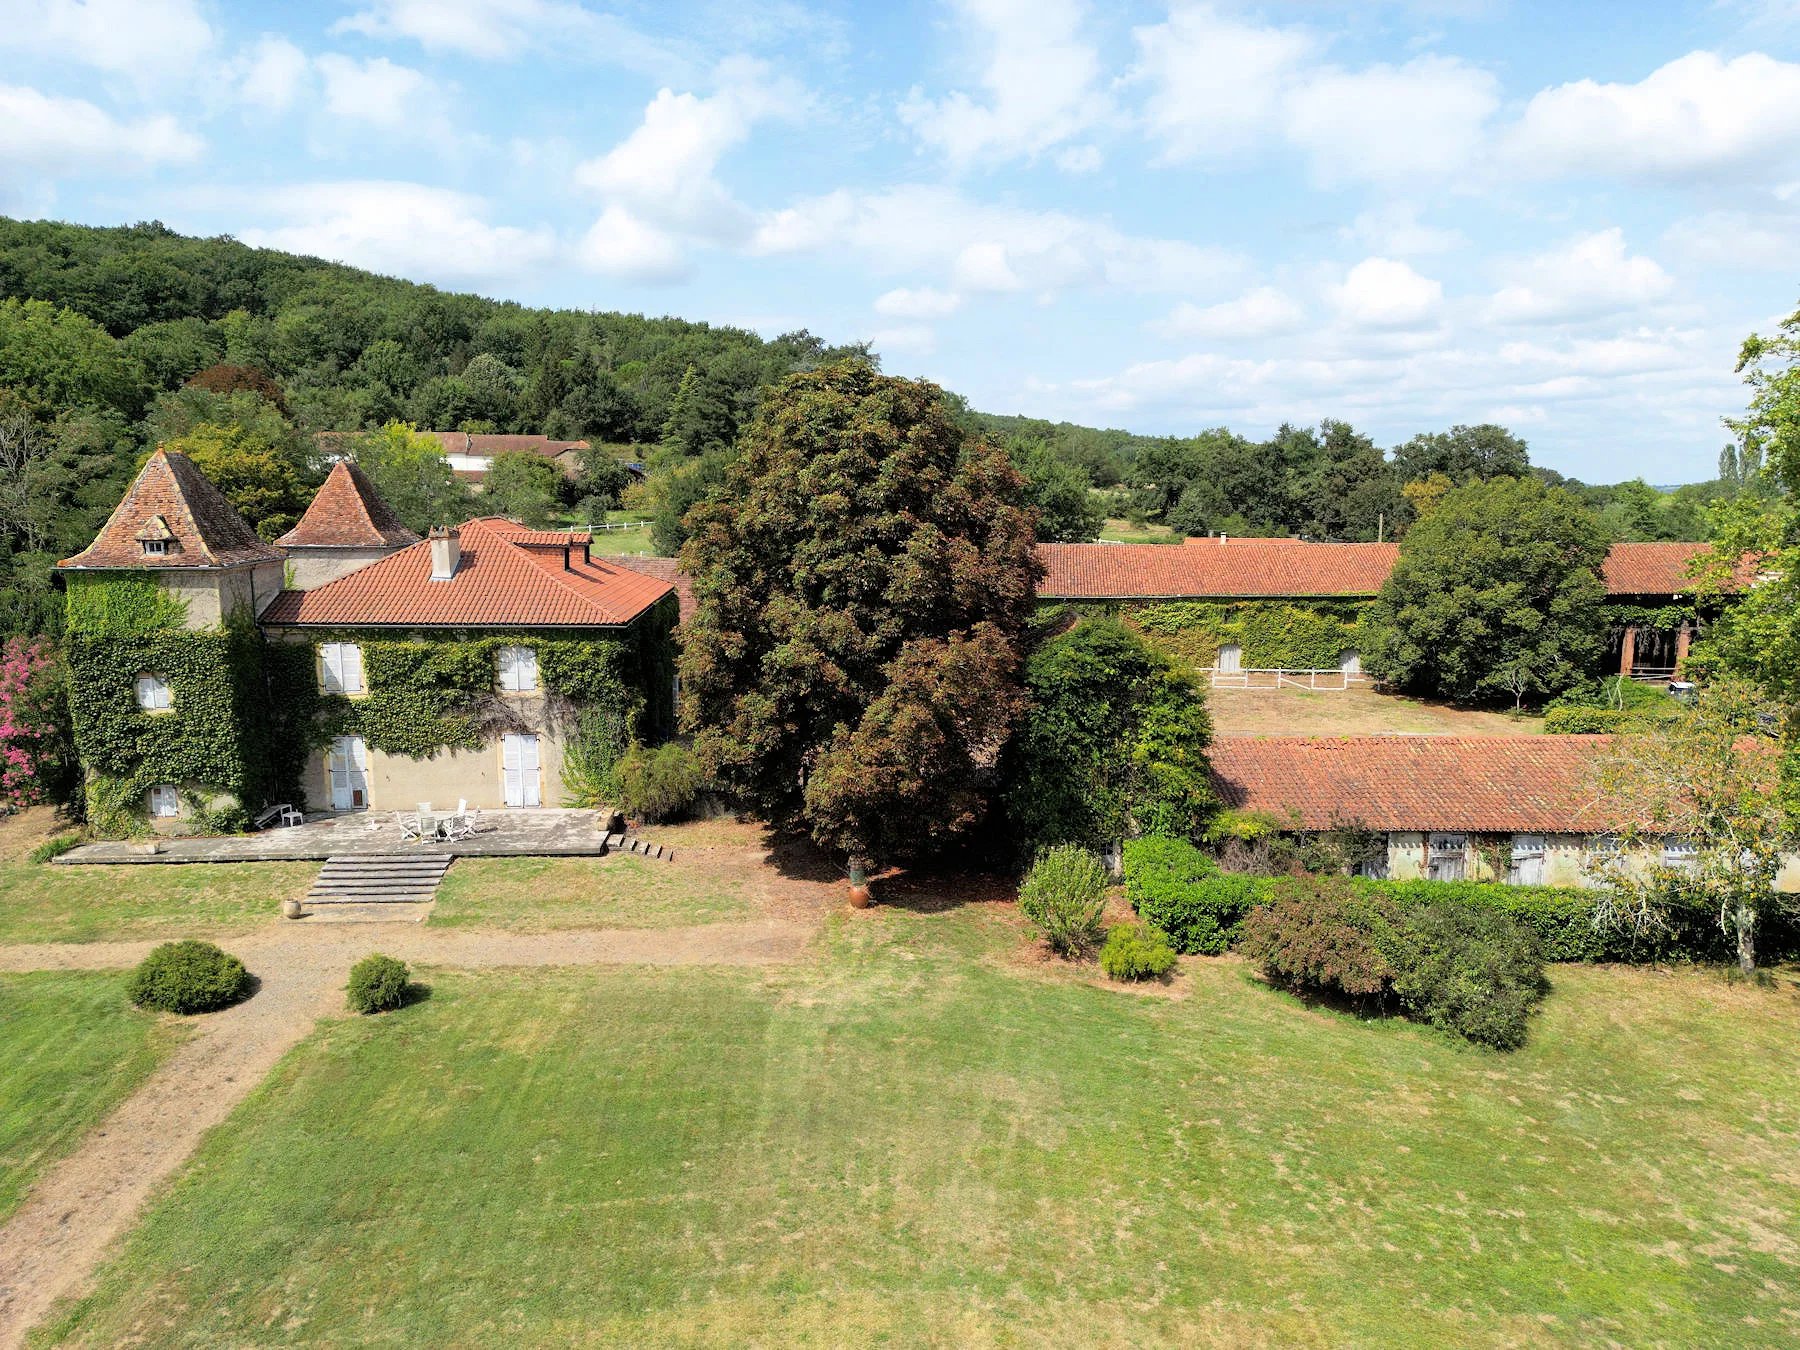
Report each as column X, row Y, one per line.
column 1334, row 679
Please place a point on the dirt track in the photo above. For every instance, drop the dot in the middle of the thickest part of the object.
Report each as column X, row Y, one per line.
column 56, row 1240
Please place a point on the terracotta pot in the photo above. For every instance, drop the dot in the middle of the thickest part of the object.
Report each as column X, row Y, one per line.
column 861, row 897
column 292, row 909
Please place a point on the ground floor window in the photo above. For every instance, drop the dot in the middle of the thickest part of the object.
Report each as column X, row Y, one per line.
column 165, row 802
column 1446, row 857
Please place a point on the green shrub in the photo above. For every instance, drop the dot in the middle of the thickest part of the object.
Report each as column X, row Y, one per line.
column 1588, row 721
column 188, row 977
column 1180, row 890
column 55, row 848
column 1136, row 951
column 1323, row 935
column 378, row 983
column 1063, row 896
column 658, row 785
column 1475, row 972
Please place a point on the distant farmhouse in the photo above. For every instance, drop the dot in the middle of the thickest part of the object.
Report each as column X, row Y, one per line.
column 350, row 665
column 471, row 453
column 1234, row 605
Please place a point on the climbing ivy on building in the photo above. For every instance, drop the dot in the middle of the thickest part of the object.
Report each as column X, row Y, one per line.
column 1272, row 634
column 213, row 741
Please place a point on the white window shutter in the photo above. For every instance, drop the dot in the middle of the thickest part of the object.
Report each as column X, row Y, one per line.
column 331, row 668
column 146, row 692
column 527, row 666
column 509, row 678
column 353, row 669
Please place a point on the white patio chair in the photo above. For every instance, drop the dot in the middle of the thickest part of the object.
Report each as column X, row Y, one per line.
column 409, row 827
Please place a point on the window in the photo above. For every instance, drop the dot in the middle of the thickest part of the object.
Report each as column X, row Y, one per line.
column 153, row 694
column 1447, row 857
column 518, row 669
column 1527, row 865
column 154, row 548
column 341, row 668
column 1680, row 854
column 164, row 803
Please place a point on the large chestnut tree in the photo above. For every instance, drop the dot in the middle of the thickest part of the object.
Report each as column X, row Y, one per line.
column 863, row 579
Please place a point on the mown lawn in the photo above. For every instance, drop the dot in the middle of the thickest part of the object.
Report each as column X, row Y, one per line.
column 71, row 1048
column 534, row 895
column 42, row 902
column 1124, row 532
column 924, row 1137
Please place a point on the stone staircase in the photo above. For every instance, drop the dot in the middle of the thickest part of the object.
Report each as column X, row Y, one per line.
column 630, row 843
column 379, row 879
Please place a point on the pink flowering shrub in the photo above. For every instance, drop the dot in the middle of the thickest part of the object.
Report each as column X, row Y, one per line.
column 36, row 757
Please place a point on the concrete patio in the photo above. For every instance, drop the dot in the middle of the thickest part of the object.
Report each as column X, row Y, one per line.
column 542, row 832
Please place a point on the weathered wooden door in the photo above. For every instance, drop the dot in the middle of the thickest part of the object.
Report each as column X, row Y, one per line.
column 519, row 769
column 1231, row 659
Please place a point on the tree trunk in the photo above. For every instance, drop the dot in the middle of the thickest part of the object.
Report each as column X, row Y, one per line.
column 1746, row 938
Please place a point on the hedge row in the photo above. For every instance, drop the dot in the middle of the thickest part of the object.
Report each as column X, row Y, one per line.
column 1179, row 889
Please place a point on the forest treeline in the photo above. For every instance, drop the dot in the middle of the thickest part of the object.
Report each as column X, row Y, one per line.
column 113, row 340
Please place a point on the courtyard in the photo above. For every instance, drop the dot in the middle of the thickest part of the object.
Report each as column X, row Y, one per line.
column 702, row 1103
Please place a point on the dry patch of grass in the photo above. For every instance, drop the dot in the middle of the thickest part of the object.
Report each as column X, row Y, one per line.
column 1353, row 712
column 49, row 902
column 535, row 895
column 917, row 1137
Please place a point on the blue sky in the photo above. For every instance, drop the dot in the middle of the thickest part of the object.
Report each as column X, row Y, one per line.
column 1161, row 216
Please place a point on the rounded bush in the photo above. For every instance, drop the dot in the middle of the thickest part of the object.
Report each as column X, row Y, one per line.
column 188, row 977
column 1062, row 897
column 377, row 984
column 1136, row 951
column 658, row 785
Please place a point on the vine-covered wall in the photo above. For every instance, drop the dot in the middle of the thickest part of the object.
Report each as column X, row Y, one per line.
column 1274, row 634
column 212, row 743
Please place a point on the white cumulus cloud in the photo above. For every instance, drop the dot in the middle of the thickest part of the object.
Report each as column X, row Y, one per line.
column 1258, row 313
column 1216, row 84
column 406, row 229
column 140, row 39
column 1698, row 116
column 920, row 303
column 621, row 245
column 1385, row 293
column 376, row 91
column 1392, row 123
column 1039, row 85
column 270, row 73
column 61, row 136
column 503, row 30
column 1588, row 276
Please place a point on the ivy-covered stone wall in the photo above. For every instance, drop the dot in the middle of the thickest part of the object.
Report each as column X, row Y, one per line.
column 1274, row 634
column 212, row 743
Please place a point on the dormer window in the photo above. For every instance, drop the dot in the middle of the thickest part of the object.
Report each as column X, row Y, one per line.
column 153, row 693
column 156, row 538
column 155, row 548
column 518, row 669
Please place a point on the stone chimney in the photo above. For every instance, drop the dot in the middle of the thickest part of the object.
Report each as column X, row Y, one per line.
column 446, row 552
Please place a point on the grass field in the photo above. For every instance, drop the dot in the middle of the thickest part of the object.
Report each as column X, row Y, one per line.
column 71, row 1047
column 925, row 1136
column 1357, row 711
column 542, row 894
column 50, row 903
column 1124, row 532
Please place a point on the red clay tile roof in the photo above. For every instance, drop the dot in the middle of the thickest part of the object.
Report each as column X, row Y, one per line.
column 201, row 527
column 498, row 584
column 1504, row 784
column 1651, row 569
column 347, row 512
column 1283, row 567
column 663, row 569
column 1245, row 568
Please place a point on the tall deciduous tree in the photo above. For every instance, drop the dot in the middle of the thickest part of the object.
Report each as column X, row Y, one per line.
column 1066, row 509
column 257, row 475
column 523, row 486
column 863, row 582
column 1464, row 454
column 1496, row 592
column 1710, row 779
column 412, row 475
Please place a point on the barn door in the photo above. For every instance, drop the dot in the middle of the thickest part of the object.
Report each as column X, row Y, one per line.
column 1231, row 659
column 348, row 766
column 519, row 769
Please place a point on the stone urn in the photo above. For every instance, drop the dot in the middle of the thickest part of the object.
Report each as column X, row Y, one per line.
column 292, row 909
column 153, row 847
column 861, row 897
